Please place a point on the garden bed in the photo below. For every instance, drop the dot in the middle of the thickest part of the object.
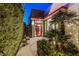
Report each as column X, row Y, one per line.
column 45, row 49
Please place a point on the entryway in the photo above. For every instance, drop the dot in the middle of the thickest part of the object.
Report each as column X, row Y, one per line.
column 38, row 30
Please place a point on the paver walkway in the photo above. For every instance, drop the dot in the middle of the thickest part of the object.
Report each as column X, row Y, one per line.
column 31, row 48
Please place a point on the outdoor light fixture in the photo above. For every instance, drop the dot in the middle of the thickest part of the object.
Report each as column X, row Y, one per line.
column 63, row 9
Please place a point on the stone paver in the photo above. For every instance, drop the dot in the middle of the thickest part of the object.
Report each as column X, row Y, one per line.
column 31, row 48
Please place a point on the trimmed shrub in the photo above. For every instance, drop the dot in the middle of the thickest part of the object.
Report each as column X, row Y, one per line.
column 11, row 28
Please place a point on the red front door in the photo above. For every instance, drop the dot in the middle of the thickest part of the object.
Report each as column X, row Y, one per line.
column 38, row 30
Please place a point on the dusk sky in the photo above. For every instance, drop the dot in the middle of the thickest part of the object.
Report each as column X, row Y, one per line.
column 29, row 6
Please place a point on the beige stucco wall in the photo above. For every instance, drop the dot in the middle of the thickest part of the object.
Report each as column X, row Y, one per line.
column 72, row 28
column 74, row 7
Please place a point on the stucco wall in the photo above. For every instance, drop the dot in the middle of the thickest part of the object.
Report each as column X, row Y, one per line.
column 71, row 28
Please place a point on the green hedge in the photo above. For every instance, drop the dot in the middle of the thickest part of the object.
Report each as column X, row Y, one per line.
column 11, row 28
